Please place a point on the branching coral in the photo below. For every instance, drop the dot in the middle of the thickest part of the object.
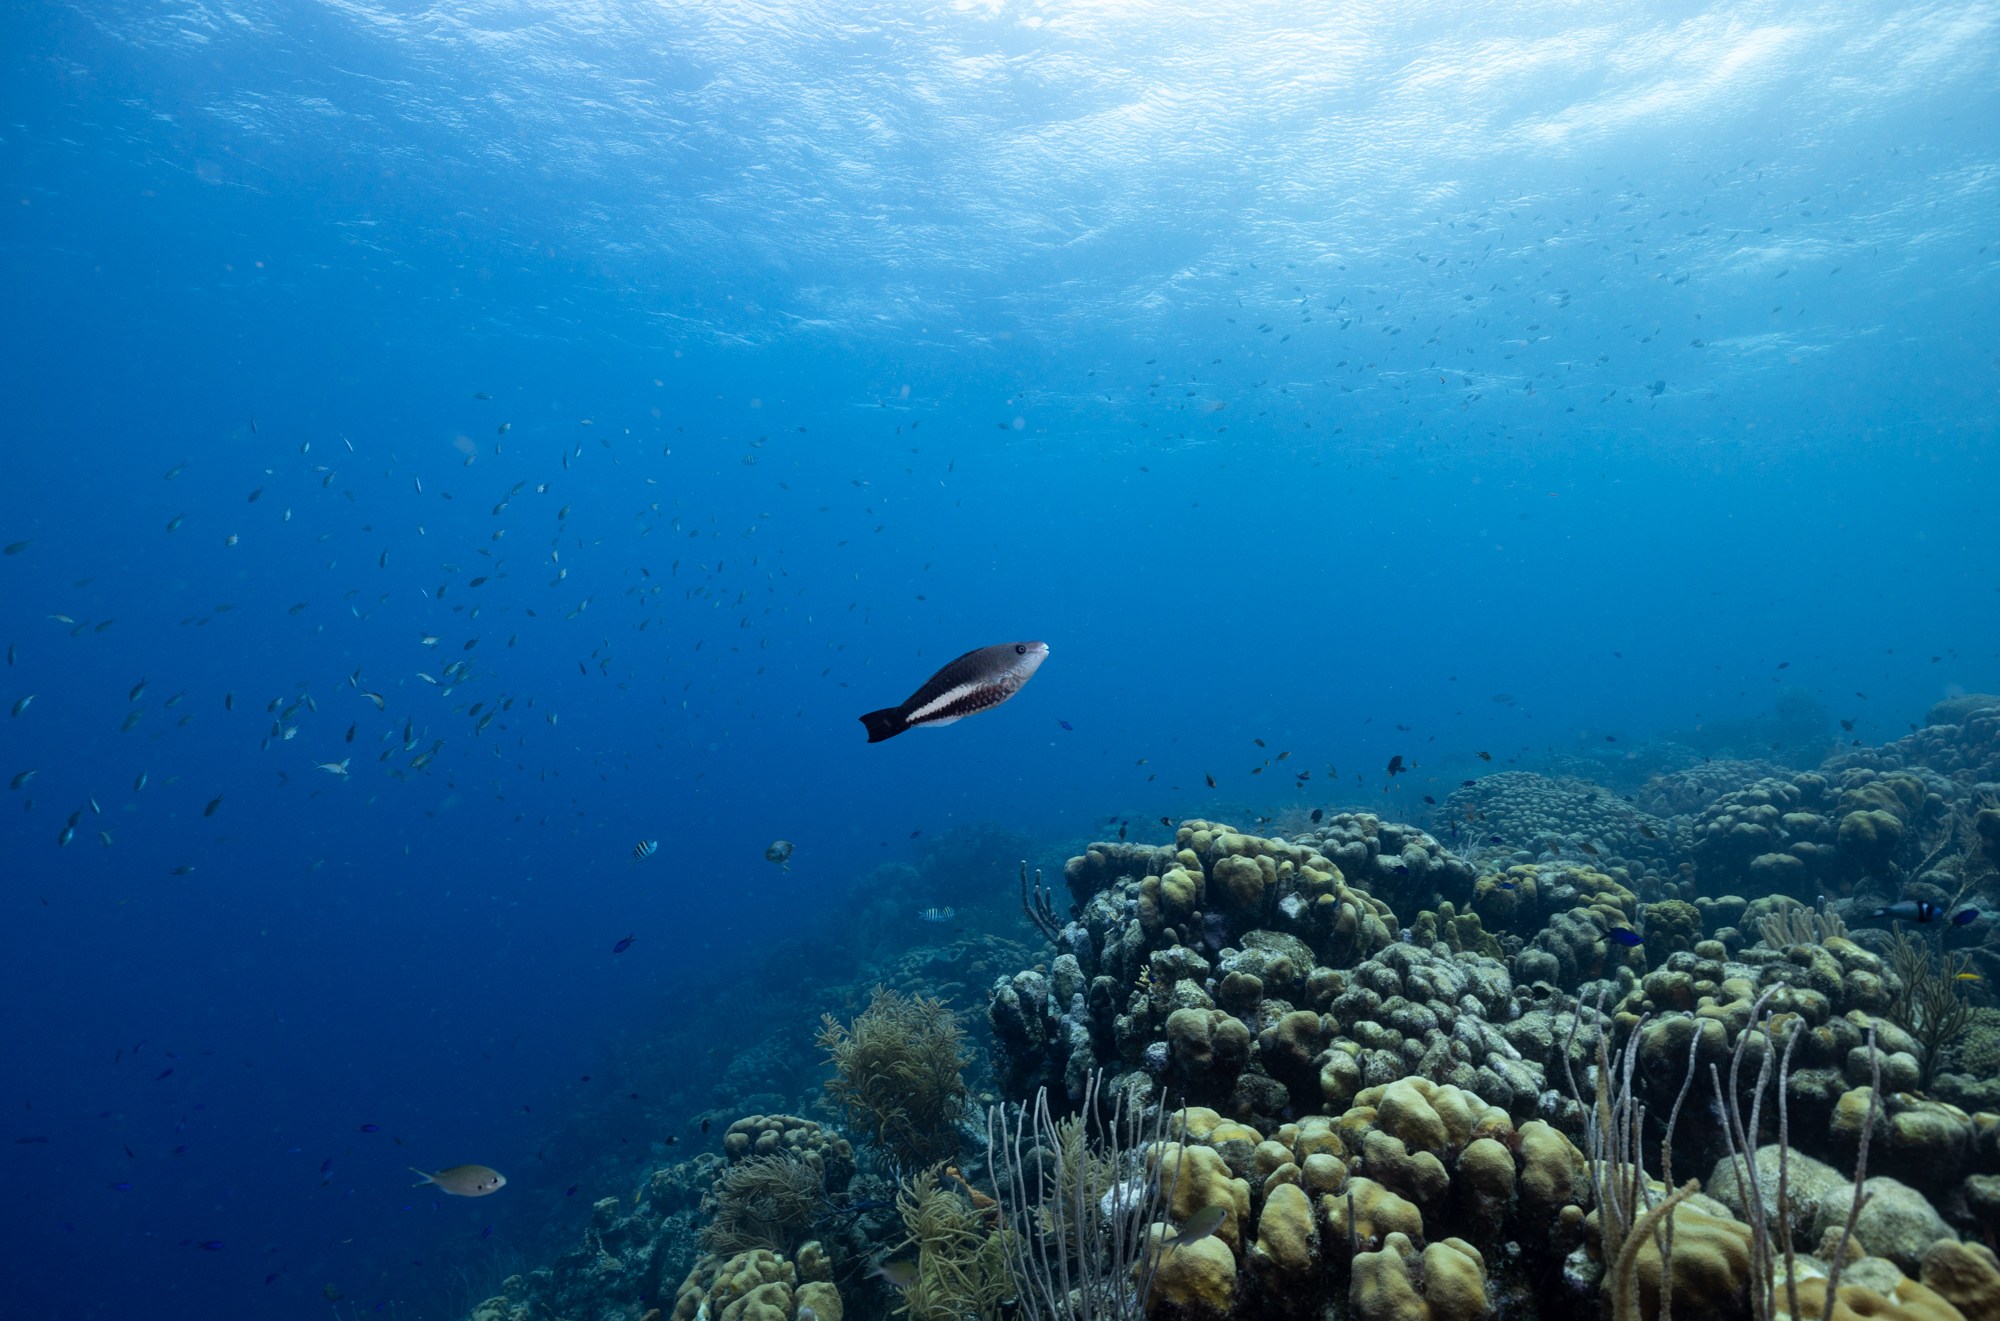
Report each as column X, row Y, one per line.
column 1795, row 924
column 1928, row 1004
column 897, row 1073
column 765, row 1202
column 1081, row 1201
column 961, row 1263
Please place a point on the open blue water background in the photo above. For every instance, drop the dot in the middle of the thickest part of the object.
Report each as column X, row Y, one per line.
column 1295, row 377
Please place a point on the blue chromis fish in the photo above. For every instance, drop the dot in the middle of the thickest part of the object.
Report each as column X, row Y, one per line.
column 463, row 1180
column 1622, row 936
column 977, row 681
column 645, row 849
column 937, row 915
column 1923, row 910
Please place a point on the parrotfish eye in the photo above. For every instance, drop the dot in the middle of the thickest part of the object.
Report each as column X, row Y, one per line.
column 1020, row 648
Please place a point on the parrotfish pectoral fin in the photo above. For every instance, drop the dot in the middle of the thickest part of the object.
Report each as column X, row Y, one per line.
column 886, row 723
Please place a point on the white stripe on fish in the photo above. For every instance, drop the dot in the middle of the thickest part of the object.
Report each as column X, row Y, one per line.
column 975, row 682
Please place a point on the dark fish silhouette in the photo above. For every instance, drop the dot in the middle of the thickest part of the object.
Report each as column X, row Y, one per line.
column 1923, row 910
column 975, row 682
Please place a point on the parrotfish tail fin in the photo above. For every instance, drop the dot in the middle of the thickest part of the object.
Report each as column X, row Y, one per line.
column 421, row 1175
column 886, row 723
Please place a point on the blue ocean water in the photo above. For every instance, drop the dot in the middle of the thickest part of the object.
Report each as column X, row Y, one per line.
column 680, row 381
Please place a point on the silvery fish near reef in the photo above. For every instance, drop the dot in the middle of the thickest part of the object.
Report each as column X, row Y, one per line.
column 463, row 1180
column 937, row 915
column 1199, row 1226
column 780, row 852
column 975, row 682
column 645, row 849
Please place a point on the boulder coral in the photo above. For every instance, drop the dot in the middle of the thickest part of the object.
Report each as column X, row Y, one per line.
column 789, row 1135
column 1445, row 1282
column 1179, row 961
column 1410, row 1163
column 759, row 1285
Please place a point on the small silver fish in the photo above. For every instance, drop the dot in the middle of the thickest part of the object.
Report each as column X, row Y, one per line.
column 1199, row 1226
column 900, row 1274
column 463, row 1180
column 645, row 849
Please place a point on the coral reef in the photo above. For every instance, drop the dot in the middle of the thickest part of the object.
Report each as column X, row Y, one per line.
column 626, row 1259
column 789, row 1135
column 1685, row 792
column 898, row 1075
column 961, row 1264
column 760, row 1285
column 1520, row 816
column 765, row 1202
column 1402, row 1076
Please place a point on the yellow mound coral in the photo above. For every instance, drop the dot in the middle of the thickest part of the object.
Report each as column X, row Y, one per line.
column 1501, row 897
column 1711, row 1258
column 1169, row 899
column 1194, row 1280
column 1203, row 1180
column 1486, row 1180
column 1285, row 1236
column 1365, row 1213
column 1907, row 1301
column 1453, row 1275
column 1553, row 1172
column 750, row 1286
column 779, row 1135
column 1427, row 1116
column 1462, row 933
column 1966, row 1275
column 1257, row 879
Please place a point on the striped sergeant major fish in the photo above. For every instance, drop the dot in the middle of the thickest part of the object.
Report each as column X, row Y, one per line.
column 975, row 682
column 937, row 915
column 645, row 849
